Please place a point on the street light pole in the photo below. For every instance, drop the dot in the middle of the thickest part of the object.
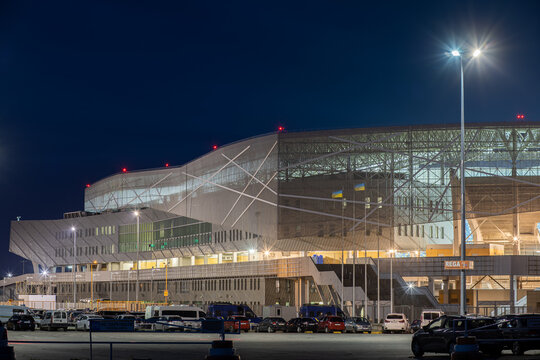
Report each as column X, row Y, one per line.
column 344, row 203
column 138, row 236
column 463, row 278
column 74, row 266
column 392, row 251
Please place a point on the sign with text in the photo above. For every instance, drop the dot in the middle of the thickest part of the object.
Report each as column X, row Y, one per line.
column 459, row 265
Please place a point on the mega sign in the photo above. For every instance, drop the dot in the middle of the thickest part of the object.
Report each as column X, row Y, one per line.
column 458, row 265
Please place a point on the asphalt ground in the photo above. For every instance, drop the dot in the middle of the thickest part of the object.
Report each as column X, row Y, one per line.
column 249, row 346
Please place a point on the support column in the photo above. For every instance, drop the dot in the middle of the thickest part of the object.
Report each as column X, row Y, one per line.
column 220, row 258
column 446, row 288
column 235, row 257
column 431, row 285
column 205, row 261
column 192, row 260
column 513, row 286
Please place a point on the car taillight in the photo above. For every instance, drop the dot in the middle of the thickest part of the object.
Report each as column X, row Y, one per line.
column 274, row 323
column 401, row 321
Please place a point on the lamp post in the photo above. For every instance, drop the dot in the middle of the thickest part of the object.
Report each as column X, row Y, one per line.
column 137, row 214
column 463, row 278
column 92, row 283
column 391, row 251
column 74, row 269
column 343, row 204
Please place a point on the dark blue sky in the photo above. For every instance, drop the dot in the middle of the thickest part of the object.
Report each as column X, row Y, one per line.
column 89, row 87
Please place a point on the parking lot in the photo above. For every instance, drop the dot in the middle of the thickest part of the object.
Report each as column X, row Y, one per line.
column 248, row 345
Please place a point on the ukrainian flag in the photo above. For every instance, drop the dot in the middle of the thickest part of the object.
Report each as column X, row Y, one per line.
column 360, row 187
column 337, row 194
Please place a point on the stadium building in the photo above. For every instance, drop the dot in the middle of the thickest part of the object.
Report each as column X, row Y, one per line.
column 270, row 219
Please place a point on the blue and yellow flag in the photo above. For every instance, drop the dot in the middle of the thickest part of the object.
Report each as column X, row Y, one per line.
column 360, row 187
column 337, row 194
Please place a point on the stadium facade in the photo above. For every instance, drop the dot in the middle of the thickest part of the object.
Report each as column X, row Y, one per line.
column 268, row 220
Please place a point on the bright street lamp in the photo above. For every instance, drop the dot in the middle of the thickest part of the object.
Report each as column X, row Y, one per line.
column 463, row 278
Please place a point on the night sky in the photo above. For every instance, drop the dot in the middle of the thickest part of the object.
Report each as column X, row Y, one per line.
column 89, row 87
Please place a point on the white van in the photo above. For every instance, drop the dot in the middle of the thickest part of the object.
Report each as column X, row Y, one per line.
column 55, row 319
column 7, row 311
column 186, row 312
column 428, row 316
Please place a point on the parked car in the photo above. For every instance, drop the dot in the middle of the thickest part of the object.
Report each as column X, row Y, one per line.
column 272, row 324
column 55, row 319
column 416, row 325
column 396, row 322
column 440, row 335
column 357, row 325
column 236, row 322
column 169, row 323
column 301, row 325
column 83, row 321
column 428, row 316
column 21, row 322
column 72, row 316
column 521, row 333
column 331, row 324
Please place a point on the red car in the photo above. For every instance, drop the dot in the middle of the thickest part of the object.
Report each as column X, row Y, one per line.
column 232, row 323
column 332, row 323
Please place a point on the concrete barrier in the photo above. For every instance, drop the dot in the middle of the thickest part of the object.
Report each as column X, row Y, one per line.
column 466, row 348
column 222, row 350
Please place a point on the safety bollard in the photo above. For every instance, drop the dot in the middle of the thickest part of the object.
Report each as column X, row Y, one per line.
column 466, row 348
column 222, row 350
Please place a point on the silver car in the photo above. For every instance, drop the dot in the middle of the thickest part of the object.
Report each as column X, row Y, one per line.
column 357, row 325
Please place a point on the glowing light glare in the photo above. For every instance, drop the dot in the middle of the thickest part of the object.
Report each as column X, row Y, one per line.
column 87, row 185
column 520, row 116
column 280, row 128
column 45, row 272
column 124, row 170
column 477, row 52
column 166, row 164
column 456, row 53
column 136, row 213
column 73, row 228
column 410, row 286
column 9, row 275
column 266, row 253
column 214, row 147
column 515, row 238
column 252, row 251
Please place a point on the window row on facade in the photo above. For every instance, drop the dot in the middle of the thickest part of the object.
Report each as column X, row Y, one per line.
column 84, row 251
column 226, row 284
column 86, row 232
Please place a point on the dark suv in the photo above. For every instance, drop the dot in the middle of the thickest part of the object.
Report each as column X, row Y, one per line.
column 522, row 332
column 439, row 336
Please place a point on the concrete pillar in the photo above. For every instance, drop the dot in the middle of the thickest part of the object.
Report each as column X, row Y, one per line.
column 446, row 287
column 205, row 259
column 192, row 260
column 306, row 290
column 431, row 285
column 513, row 292
column 220, row 258
column 235, row 257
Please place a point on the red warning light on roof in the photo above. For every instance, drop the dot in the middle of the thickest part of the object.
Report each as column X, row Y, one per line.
column 280, row 128
column 166, row 164
column 124, row 170
column 214, row 147
column 87, row 185
column 520, row 116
